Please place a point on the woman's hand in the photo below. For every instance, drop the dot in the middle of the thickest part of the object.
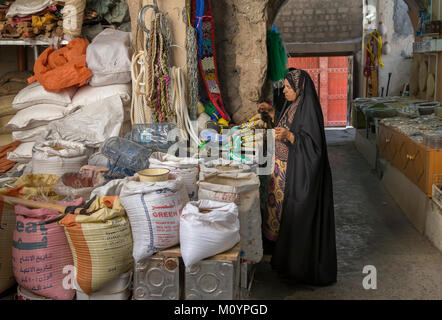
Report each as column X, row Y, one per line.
column 284, row 134
column 266, row 107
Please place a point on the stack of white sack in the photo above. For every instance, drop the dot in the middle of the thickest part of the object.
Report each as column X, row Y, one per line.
column 109, row 57
column 36, row 107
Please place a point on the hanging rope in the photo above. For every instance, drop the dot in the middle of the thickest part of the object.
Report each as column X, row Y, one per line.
column 192, row 71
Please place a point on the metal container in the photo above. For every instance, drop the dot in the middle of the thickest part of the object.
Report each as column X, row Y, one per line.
column 157, row 278
column 213, row 280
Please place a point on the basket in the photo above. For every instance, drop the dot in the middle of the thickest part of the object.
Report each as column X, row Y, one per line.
column 154, row 175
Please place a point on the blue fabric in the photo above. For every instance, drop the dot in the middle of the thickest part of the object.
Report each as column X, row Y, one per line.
column 199, row 12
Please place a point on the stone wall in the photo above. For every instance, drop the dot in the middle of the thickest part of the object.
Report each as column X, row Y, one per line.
column 240, row 32
column 320, row 20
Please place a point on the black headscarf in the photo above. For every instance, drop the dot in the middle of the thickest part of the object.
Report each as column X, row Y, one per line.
column 305, row 251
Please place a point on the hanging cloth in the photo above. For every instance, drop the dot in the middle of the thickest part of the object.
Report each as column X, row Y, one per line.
column 205, row 26
column 277, row 56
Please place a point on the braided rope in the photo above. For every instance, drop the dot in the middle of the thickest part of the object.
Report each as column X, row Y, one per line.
column 192, row 71
column 150, row 71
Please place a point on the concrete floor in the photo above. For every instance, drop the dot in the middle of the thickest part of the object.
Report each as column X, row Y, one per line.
column 370, row 230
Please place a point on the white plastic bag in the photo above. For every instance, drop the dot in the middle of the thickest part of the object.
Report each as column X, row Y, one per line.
column 23, row 153
column 30, row 135
column 58, row 157
column 241, row 187
column 35, row 93
column 154, row 210
column 35, row 116
column 91, row 124
column 87, row 94
column 203, row 235
column 185, row 168
column 109, row 58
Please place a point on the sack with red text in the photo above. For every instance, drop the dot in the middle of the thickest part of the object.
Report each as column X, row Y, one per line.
column 40, row 253
column 154, row 210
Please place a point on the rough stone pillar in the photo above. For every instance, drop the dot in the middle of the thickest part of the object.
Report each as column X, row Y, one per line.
column 241, row 31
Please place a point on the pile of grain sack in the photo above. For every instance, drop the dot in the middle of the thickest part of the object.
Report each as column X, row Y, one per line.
column 68, row 144
column 205, row 208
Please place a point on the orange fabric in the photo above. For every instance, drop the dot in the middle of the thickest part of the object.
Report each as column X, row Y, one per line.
column 62, row 68
column 109, row 201
column 5, row 164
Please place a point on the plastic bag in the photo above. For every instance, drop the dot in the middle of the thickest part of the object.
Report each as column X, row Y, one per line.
column 206, row 229
column 155, row 136
column 109, row 58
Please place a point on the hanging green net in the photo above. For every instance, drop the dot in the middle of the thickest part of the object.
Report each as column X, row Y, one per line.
column 277, row 56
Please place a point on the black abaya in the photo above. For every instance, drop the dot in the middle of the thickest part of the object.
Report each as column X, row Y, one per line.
column 305, row 251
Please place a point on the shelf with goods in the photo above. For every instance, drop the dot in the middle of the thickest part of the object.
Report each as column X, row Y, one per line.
column 420, row 163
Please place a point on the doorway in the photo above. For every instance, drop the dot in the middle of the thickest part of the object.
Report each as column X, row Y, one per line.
column 331, row 76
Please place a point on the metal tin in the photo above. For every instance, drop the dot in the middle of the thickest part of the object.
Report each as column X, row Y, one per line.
column 212, row 280
column 157, row 278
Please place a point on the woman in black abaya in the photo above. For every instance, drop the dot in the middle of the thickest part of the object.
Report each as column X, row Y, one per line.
column 300, row 216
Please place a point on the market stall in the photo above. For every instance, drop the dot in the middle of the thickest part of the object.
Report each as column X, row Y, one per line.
column 120, row 155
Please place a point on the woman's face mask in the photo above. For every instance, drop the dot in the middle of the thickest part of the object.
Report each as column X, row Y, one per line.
column 290, row 94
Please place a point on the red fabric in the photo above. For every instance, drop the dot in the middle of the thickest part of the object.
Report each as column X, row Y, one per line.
column 62, row 68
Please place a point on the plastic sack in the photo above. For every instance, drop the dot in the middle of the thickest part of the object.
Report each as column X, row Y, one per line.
column 88, row 125
column 206, row 229
column 35, row 116
column 23, row 153
column 27, row 186
column 7, row 227
column 154, row 211
column 6, row 108
column 35, row 93
column 30, row 135
column 185, row 168
column 126, row 154
column 58, row 157
column 112, row 188
column 41, row 252
column 221, row 183
column 87, row 94
column 109, row 58
column 101, row 243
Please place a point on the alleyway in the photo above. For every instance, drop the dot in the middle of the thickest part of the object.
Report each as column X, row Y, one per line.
column 371, row 230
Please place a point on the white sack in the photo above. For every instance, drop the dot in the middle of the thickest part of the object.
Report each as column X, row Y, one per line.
column 87, row 94
column 23, row 153
column 185, row 168
column 35, row 116
column 35, row 93
column 203, row 235
column 91, row 124
column 109, row 58
column 154, row 211
column 30, row 135
column 242, row 188
column 58, row 157
column 112, row 188
column 23, row 8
